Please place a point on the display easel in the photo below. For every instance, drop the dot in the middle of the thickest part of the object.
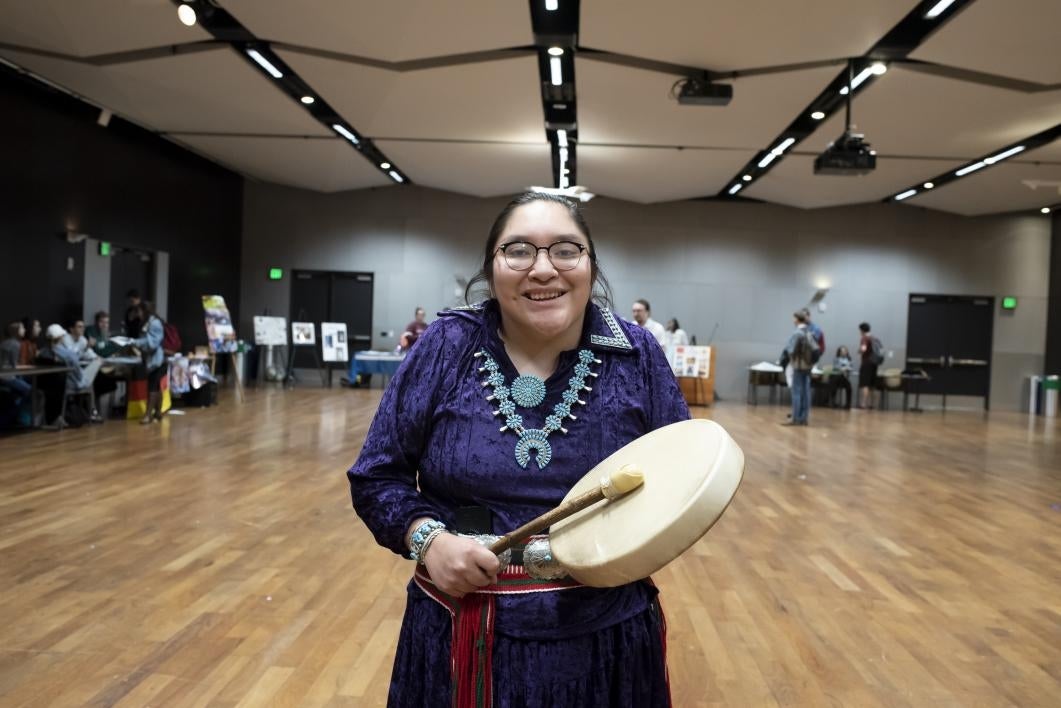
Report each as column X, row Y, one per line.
column 700, row 390
column 298, row 339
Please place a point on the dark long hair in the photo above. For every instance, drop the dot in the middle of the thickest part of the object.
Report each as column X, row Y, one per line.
column 601, row 290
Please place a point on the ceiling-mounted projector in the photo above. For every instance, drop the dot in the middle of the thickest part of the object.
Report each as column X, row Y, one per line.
column 701, row 92
column 849, row 154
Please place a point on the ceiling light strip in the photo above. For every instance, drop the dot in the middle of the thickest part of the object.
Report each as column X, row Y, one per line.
column 897, row 44
column 1030, row 143
column 226, row 28
column 555, row 28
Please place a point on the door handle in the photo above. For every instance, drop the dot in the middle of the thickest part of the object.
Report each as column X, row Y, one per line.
column 926, row 360
column 969, row 362
column 363, row 337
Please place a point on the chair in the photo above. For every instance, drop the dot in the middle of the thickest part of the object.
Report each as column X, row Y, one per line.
column 888, row 380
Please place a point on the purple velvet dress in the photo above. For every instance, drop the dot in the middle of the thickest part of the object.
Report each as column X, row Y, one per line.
column 577, row 647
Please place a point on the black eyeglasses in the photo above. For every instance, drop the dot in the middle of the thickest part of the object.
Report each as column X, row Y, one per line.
column 564, row 255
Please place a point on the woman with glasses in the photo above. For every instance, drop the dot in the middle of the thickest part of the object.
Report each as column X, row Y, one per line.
column 495, row 414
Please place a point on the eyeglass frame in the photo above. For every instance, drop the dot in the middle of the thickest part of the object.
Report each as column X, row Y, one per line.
column 538, row 249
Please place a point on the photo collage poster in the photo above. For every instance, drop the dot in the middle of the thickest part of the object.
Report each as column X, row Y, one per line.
column 270, row 331
column 333, row 341
column 688, row 360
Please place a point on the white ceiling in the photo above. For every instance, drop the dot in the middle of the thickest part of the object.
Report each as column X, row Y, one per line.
column 321, row 164
column 1015, row 38
column 725, row 35
column 390, row 31
column 482, row 169
column 911, row 113
column 477, row 127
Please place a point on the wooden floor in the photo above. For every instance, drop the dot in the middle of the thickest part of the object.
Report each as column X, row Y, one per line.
column 872, row 559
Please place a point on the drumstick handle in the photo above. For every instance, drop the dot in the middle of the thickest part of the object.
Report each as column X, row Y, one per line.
column 547, row 519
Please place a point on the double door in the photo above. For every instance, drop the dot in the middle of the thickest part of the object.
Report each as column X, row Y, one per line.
column 950, row 338
column 332, row 296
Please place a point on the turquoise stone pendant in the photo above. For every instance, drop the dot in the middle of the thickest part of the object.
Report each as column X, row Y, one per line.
column 528, row 391
column 533, row 439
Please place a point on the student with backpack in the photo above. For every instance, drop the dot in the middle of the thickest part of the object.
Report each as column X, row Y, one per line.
column 872, row 357
column 803, row 353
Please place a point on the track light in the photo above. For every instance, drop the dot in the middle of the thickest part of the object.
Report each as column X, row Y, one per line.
column 904, row 195
column 875, row 69
column 308, row 100
column 747, row 178
column 385, row 165
column 1045, row 210
column 561, row 138
column 551, row 5
column 186, row 14
column 1003, row 155
column 817, row 115
column 929, row 185
column 556, row 51
column 395, row 176
column 345, row 133
column 264, row 63
column 735, row 188
column 555, row 74
column 971, row 168
column 938, row 9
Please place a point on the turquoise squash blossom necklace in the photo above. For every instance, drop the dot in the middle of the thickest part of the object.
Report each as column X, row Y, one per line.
column 528, row 392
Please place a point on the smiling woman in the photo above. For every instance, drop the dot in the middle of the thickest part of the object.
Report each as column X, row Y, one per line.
column 478, row 434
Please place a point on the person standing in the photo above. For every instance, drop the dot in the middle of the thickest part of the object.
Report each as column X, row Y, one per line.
column 800, row 349
column 814, row 329
column 496, row 412
column 674, row 335
column 643, row 317
column 133, row 323
column 154, row 366
column 870, row 349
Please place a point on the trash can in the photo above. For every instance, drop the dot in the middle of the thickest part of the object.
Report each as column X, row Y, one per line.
column 1051, row 390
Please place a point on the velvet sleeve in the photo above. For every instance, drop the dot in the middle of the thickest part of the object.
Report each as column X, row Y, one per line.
column 667, row 403
column 383, row 480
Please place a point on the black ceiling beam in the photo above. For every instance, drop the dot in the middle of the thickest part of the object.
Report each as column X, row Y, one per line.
column 896, row 45
column 980, row 164
column 227, row 29
column 556, row 30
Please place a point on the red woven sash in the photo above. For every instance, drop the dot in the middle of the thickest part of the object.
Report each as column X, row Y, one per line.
column 473, row 629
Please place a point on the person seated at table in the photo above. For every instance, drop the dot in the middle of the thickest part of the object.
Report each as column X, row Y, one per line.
column 154, row 359
column 78, row 379
column 838, row 381
column 11, row 347
column 101, row 333
column 414, row 329
column 15, row 390
column 30, row 336
column 76, row 340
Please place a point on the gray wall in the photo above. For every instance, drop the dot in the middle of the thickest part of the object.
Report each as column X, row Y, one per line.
column 744, row 266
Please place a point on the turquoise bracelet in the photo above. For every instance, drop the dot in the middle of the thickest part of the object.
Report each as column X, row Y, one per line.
column 424, row 533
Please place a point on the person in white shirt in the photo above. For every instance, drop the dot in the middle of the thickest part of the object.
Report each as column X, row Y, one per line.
column 674, row 335
column 76, row 341
column 643, row 317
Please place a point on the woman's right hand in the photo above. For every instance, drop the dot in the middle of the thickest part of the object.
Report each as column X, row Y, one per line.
column 459, row 565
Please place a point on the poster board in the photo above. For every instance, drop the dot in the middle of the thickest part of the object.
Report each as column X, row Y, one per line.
column 270, row 331
column 689, row 360
column 303, row 334
column 333, row 341
column 220, row 334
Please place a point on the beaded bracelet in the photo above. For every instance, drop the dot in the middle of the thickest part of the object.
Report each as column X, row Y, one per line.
column 427, row 543
column 419, row 539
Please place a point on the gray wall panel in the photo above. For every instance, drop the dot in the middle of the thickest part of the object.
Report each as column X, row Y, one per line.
column 745, row 266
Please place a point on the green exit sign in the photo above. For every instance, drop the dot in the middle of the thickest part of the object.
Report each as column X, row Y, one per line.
column 104, row 248
column 276, row 273
column 1009, row 303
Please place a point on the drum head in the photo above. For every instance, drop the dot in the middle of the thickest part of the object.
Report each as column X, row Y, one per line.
column 692, row 470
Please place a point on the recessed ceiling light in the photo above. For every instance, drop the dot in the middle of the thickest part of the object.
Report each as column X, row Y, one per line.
column 817, row 115
column 186, row 14
column 904, row 195
column 770, row 156
column 396, row 177
column 561, row 137
column 553, row 4
column 878, row 68
column 384, row 165
column 747, row 178
column 264, row 63
column 929, row 185
column 1003, row 155
column 556, row 51
column 308, row 100
column 971, row 168
column 1045, row 210
column 735, row 188
column 555, row 71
